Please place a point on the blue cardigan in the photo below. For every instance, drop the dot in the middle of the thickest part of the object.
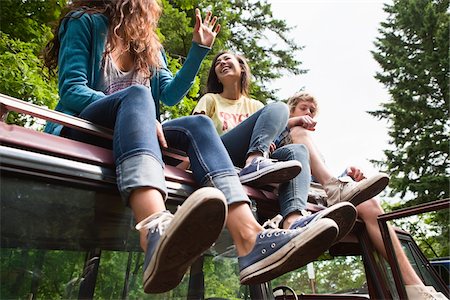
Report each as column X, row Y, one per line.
column 82, row 43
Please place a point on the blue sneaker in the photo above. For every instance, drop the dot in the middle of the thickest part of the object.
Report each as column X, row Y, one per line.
column 175, row 241
column 263, row 171
column 344, row 214
column 278, row 251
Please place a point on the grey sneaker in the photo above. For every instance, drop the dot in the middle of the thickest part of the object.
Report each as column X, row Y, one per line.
column 175, row 241
column 263, row 171
column 345, row 189
column 278, row 251
column 344, row 214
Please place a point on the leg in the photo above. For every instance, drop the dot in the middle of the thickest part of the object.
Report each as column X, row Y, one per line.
column 338, row 189
column 130, row 112
column 253, row 136
column 249, row 142
column 140, row 178
column 318, row 168
column 212, row 166
column 369, row 211
column 415, row 288
column 263, row 253
column 293, row 195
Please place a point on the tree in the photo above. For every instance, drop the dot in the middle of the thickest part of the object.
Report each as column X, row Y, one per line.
column 248, row 28
column 264, row 40
column 24, row 32
column 412, row 51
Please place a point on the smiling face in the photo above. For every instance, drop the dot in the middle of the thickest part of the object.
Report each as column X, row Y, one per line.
column 227, row 67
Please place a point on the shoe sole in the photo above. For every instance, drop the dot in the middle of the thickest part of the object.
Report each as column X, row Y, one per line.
column 344, row 214
column 278, row 173
column 298, row 252
column 195, row 227
column 372, row 187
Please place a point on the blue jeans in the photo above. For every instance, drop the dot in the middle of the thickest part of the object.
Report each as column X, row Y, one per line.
column 293, row 195
column 256, row 133
column 137, row 155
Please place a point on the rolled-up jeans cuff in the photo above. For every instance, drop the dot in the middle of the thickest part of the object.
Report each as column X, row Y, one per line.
column 137, row 171
column 231, row 187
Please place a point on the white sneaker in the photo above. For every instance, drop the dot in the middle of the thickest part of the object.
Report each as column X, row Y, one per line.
column 421, row 292
column 345, row 189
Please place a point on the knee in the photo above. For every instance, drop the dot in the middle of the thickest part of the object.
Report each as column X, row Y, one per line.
column 200, row 123
column 298, row 134
column 202, row 120
column 139, row 91
column 138, row 95
column 278, row 108
column 369, row 210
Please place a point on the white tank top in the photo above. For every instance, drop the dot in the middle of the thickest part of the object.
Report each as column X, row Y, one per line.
column 112, row 79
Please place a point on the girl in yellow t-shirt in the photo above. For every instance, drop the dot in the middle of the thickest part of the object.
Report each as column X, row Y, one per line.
column 246, row 126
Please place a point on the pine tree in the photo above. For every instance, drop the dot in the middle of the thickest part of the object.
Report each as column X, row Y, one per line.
column 413, row 52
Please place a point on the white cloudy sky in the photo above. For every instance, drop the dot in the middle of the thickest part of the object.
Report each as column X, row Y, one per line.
column 338, row 36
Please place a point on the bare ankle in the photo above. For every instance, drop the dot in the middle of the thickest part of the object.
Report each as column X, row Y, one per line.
column 287, row 222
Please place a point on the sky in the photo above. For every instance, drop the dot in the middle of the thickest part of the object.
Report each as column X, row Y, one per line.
column 338, row 36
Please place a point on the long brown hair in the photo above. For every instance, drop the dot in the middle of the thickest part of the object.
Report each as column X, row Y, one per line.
column 213, row 84
column 132, row 23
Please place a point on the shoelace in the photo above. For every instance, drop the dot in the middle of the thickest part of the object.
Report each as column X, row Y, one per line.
column 305, row 213
column 261, row 159
column 271, row 227
column 273, row 223
column 158, row 221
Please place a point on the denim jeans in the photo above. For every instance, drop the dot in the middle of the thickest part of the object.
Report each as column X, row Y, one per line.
column 293, row 195
column 137, row 154
column 256, row 133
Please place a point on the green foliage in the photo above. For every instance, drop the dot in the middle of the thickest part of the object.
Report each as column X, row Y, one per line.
column 28, row 20
column 48, row 274
column 23, row 34
column 21, row 76
column 221, row 279
column 412, row 51
column 247, row 27
column 264, row 41
column 336, row 275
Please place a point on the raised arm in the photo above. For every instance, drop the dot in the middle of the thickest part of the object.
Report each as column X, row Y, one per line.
column 174, row 88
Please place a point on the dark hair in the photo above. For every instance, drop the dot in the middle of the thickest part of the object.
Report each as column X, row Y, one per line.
column 215, row 86
column 131, row 21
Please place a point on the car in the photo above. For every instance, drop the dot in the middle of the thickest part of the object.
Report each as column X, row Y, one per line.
column 66, row 233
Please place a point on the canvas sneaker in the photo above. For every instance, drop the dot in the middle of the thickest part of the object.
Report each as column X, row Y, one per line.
column 420, row 292
column 344, row 214
column 263, row 171
column 175, row 241
column 279, row 251
column 345, row 189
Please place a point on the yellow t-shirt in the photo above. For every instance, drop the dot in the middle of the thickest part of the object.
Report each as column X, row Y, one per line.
column 225, row 113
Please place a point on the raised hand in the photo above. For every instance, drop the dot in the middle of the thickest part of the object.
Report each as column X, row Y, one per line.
column 205, row 32
column 303, row 121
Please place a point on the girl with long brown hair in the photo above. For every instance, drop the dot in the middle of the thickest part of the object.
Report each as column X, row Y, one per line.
column 113, row 72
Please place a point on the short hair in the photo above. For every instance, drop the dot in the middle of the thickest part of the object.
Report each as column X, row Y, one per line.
column 213, row 84
column 301, row 96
